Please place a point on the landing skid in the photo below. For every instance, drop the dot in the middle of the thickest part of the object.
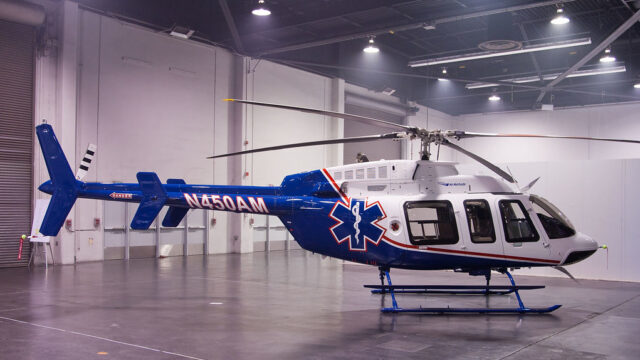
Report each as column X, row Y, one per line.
column 457, row 289
column 451, row 289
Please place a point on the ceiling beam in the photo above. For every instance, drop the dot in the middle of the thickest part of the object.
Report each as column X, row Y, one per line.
column 231, row 25
column 524, row 87
column 409, row 26
column 595, row 51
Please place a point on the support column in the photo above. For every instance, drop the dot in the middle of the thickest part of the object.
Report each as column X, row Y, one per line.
column 65, row 122
column 334, row 127
column 240, row 233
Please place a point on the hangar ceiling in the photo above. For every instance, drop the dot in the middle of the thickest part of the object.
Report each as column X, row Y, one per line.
column 328, row 37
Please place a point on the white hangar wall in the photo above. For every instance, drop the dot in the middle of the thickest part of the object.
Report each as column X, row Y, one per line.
column 154, row 103
column 594, row 183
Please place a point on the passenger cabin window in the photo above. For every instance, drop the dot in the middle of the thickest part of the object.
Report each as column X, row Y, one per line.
column 359, row 174
column 480, row 221
column 337, row 175
column 382, row 172
column 554, row 222
column 348, row 175
column 431, row 222
column 516, row 222
column 371, row 173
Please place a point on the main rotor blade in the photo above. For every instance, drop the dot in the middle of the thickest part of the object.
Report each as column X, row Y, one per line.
column 465, row 135
column 363, row 119
column 396, row 135
column 484, row 162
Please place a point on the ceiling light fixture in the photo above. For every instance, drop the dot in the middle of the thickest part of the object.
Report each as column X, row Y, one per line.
column 444, row 70
column 494, row 97
column 181, row 32
column 636, row 86
column 261, row 10
column 488, row 54
column 607, row 57
column 443, row 79
column 371, row 48
column 560, row 18
column 578, row 73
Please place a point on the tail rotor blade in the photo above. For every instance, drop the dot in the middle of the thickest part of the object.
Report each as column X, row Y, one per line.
column 503, row 174
column 396, row 135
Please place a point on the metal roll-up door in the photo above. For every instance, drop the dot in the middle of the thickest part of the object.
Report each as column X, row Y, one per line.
column 17, row 44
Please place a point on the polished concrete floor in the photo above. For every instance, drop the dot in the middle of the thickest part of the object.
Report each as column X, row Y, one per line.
column 295, row 306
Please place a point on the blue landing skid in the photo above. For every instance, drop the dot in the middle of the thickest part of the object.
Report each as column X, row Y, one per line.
column 521, row 309
column 451, row 289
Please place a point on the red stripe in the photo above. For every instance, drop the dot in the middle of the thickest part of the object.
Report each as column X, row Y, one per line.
column 498, row 256
column 335, row 186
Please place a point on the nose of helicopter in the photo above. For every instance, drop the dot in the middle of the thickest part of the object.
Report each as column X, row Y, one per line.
column 584, row 246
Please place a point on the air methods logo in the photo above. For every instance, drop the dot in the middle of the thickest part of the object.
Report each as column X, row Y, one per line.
column 357, row 223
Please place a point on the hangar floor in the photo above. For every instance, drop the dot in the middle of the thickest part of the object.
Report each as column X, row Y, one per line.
column 294, row 306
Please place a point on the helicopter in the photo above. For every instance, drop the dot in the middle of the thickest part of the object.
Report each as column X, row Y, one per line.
column 407, row 214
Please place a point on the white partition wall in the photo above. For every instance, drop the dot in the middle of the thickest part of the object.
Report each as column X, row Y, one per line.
column 151, row 102
column 269, row 82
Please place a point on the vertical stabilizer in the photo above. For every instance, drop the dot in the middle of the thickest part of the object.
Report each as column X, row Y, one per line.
column 63, row 183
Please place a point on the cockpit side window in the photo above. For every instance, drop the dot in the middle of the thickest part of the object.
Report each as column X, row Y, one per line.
column 516, row 222
column 480, row 221
column 431, row 222
column 554, row 222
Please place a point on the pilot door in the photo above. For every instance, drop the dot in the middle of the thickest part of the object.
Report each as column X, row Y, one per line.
column 522, row 240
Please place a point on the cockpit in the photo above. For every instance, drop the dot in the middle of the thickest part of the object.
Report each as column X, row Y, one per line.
column 554, row 222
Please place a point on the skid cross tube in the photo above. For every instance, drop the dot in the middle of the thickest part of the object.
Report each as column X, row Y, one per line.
column 486, row 290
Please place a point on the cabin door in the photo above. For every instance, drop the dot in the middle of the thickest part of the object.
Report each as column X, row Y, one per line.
column 478, row 228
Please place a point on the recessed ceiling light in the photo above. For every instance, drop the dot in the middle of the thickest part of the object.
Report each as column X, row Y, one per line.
column 494, row 97
column 443, row 79
column 560, row 18
column 444, row 70
column 261, row 10
column 636, row 85
column 371, row 48
column 607, row 57
column 181, row 32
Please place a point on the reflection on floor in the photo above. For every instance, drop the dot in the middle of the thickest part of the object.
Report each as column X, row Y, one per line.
column 295, row 305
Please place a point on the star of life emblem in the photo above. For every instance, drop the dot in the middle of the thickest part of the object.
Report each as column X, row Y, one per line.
column 357, row 223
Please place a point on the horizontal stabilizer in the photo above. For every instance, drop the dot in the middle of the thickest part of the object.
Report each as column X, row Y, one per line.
column 153, row 198
column 175, row 214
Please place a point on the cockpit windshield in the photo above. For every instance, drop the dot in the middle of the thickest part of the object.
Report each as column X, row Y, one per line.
column 555, row 223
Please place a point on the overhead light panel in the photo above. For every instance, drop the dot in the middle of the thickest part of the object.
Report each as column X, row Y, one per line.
column 261, row 9
column 490, row 54
column 371, row 47
column 431, row 26
column 181, row 32
column 607, row 57
column 560, row 18
column 528, row 79
column 388, row 91
column 443, row 79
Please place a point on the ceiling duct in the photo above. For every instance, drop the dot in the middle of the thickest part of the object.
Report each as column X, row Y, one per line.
column 501, row 35
column 22, row 12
